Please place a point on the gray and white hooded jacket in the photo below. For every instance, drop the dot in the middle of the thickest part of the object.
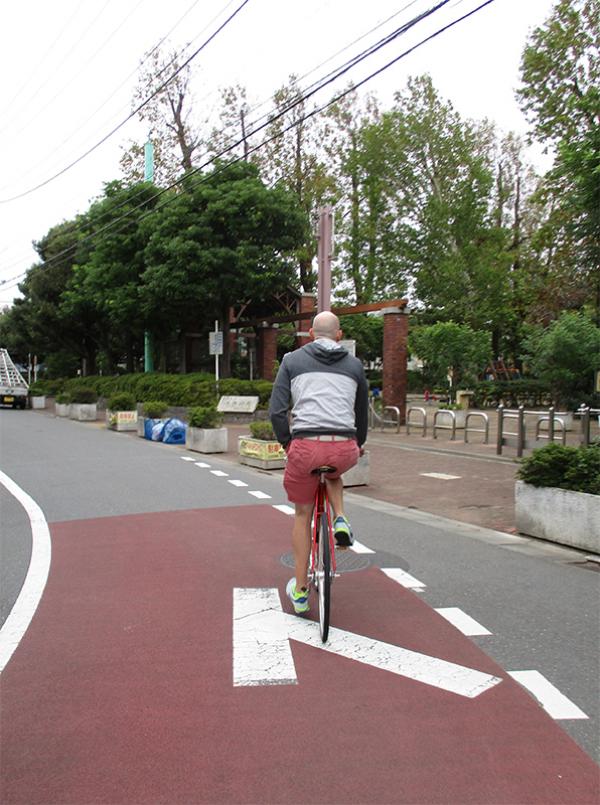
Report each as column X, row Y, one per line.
column 326, row 389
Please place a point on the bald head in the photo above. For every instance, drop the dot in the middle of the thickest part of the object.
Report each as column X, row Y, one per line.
column 326, row 325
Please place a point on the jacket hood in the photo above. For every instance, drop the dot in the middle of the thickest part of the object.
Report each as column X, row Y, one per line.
column 326, row 351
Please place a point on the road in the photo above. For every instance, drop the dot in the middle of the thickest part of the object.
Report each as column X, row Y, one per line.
column 163, row 665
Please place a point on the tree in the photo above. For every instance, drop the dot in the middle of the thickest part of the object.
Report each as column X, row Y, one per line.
column 168, row 117
column 450, row 348
column 560, row 93
column 565, row 355
column 226, row 238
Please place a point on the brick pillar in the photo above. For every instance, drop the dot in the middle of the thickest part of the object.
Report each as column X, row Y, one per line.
column 307, row 305
column 395, row 334
column 266, row 351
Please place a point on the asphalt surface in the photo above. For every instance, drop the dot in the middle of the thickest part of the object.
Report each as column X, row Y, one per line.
column 147, row 546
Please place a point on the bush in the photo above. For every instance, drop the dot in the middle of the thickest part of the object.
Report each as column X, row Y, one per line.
column 63, row 398
column 205, row 416
column 573, row 468
column 512, row 393
column 121, row 401
column 39, row 389
column 155, row 409
column 263, row 430
column 84, row 396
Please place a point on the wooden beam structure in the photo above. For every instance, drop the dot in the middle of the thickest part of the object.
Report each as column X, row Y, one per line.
column 348, row 310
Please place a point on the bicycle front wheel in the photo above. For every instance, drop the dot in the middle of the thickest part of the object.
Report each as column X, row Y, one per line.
column 324, row 577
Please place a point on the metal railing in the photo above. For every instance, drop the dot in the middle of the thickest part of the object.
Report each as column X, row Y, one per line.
column 485, row 430
column 585, row 415
column 423, row 424
column 518, row 438
column 396, row 412
column 451, row 427
column 552, row 421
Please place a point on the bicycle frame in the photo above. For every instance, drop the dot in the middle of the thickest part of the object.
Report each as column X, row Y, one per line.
column 322, row 508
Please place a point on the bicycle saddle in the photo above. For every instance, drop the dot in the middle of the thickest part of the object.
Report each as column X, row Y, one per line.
column 324, row 468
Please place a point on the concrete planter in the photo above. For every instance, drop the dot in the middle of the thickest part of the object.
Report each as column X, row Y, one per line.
column 359, row 474
column 140, row 427
column 84, row 412
column 206, row 440
column 62, row 409
column 122, row 420
column 569, row 518
column 38, row 401
column 262, row 454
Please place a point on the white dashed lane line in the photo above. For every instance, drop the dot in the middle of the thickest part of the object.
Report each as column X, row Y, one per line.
column 219, row 473
column 555, row 703
column 202, row 465
column 261, row 495
column 403, row 578
column 234, row 482
column 463, row 622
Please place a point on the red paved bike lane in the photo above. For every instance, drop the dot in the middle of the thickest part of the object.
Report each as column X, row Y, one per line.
column 121, row 690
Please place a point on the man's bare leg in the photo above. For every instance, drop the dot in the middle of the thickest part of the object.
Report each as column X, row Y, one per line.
column 335, row 489
column 301, row 542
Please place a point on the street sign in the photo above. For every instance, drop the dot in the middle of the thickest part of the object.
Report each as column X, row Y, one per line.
column 215, row 343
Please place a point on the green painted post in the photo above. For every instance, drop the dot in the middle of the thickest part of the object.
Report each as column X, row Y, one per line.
column 148, row 177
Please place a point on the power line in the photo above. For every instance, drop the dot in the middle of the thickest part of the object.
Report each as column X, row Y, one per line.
column 132, row 114
column 295, row 123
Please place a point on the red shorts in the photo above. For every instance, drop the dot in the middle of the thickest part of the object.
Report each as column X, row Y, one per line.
column 305, row 455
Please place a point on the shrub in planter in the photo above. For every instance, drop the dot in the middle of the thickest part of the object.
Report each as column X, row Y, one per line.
column 573, row 468
column 155, row 409
column 83, row 404
column 84, row 396
column 121, row 401
column 204, row 433
column 63, row 398
column 62, row 404
column 204, row 416
column 263, row 430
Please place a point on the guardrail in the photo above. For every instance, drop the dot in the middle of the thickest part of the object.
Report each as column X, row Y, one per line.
column 423, row 424
column 485, row 430
column 552, row 421
column 396, row 411
column 518, row 438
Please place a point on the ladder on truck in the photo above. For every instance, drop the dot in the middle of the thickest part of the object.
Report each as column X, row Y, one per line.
column 13, row 388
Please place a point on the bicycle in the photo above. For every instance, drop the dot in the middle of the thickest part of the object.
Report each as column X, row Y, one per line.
column 322, row 554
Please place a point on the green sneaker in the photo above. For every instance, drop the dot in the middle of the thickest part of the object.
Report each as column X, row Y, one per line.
column 342, row 532
column 299, row 598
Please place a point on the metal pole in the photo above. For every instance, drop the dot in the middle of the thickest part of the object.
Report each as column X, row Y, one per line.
column 521, row 431
column 500, row 428
column 551, row 424
column 584, row 436
column 324, row 252
column 148, row 177
column 217, row 359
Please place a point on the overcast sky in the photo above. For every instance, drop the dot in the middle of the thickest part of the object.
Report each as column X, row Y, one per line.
column 68, row 70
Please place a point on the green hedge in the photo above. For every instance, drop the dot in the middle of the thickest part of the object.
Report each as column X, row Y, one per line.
column 573, row 468
column 196, row 389
column 531, row 393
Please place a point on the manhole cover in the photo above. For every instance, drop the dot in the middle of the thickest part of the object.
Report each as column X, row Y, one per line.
column 346, row 561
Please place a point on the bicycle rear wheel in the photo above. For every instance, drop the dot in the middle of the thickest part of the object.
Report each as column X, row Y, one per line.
column 324, row 577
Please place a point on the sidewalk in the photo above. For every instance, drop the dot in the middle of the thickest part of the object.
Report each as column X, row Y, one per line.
column 480, row 489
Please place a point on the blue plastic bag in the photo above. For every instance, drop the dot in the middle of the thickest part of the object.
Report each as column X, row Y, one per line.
column 153, row 429
column 174, row 432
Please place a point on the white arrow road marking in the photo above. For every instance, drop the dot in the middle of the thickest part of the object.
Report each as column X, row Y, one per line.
column 463, row 622
column 262, row 654
column 555, row 703
column 403, row 578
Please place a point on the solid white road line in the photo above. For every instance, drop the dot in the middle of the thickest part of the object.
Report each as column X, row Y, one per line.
column 203, row 465
column 261, row 495
column 555, row 703
column 24, row 608
column 358, row 547
column 282, row 507
column 219, row 473
column 441, row 475
column 237, row 483
column 403, row 578
column 262, row 656
column 463, row 622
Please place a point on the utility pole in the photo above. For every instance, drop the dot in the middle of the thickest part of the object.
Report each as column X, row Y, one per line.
column 148, row 177
column 324, row 255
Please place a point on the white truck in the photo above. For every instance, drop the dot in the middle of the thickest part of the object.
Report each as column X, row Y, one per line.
column 13, row 388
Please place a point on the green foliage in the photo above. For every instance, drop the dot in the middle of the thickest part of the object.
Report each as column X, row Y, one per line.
column 63, row 398
column 84, row 396
column 39, row 389
column 565, row 356
column 450, row 347
column 263, row 430
column 205, row 416
column 574, row 468
column 154, row 409
column 367, row 331
column 121, row 401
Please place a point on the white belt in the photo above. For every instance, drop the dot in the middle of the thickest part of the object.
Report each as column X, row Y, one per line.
column 328, row 437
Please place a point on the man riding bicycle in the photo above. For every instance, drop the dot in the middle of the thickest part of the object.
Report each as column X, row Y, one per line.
column 327, row 391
